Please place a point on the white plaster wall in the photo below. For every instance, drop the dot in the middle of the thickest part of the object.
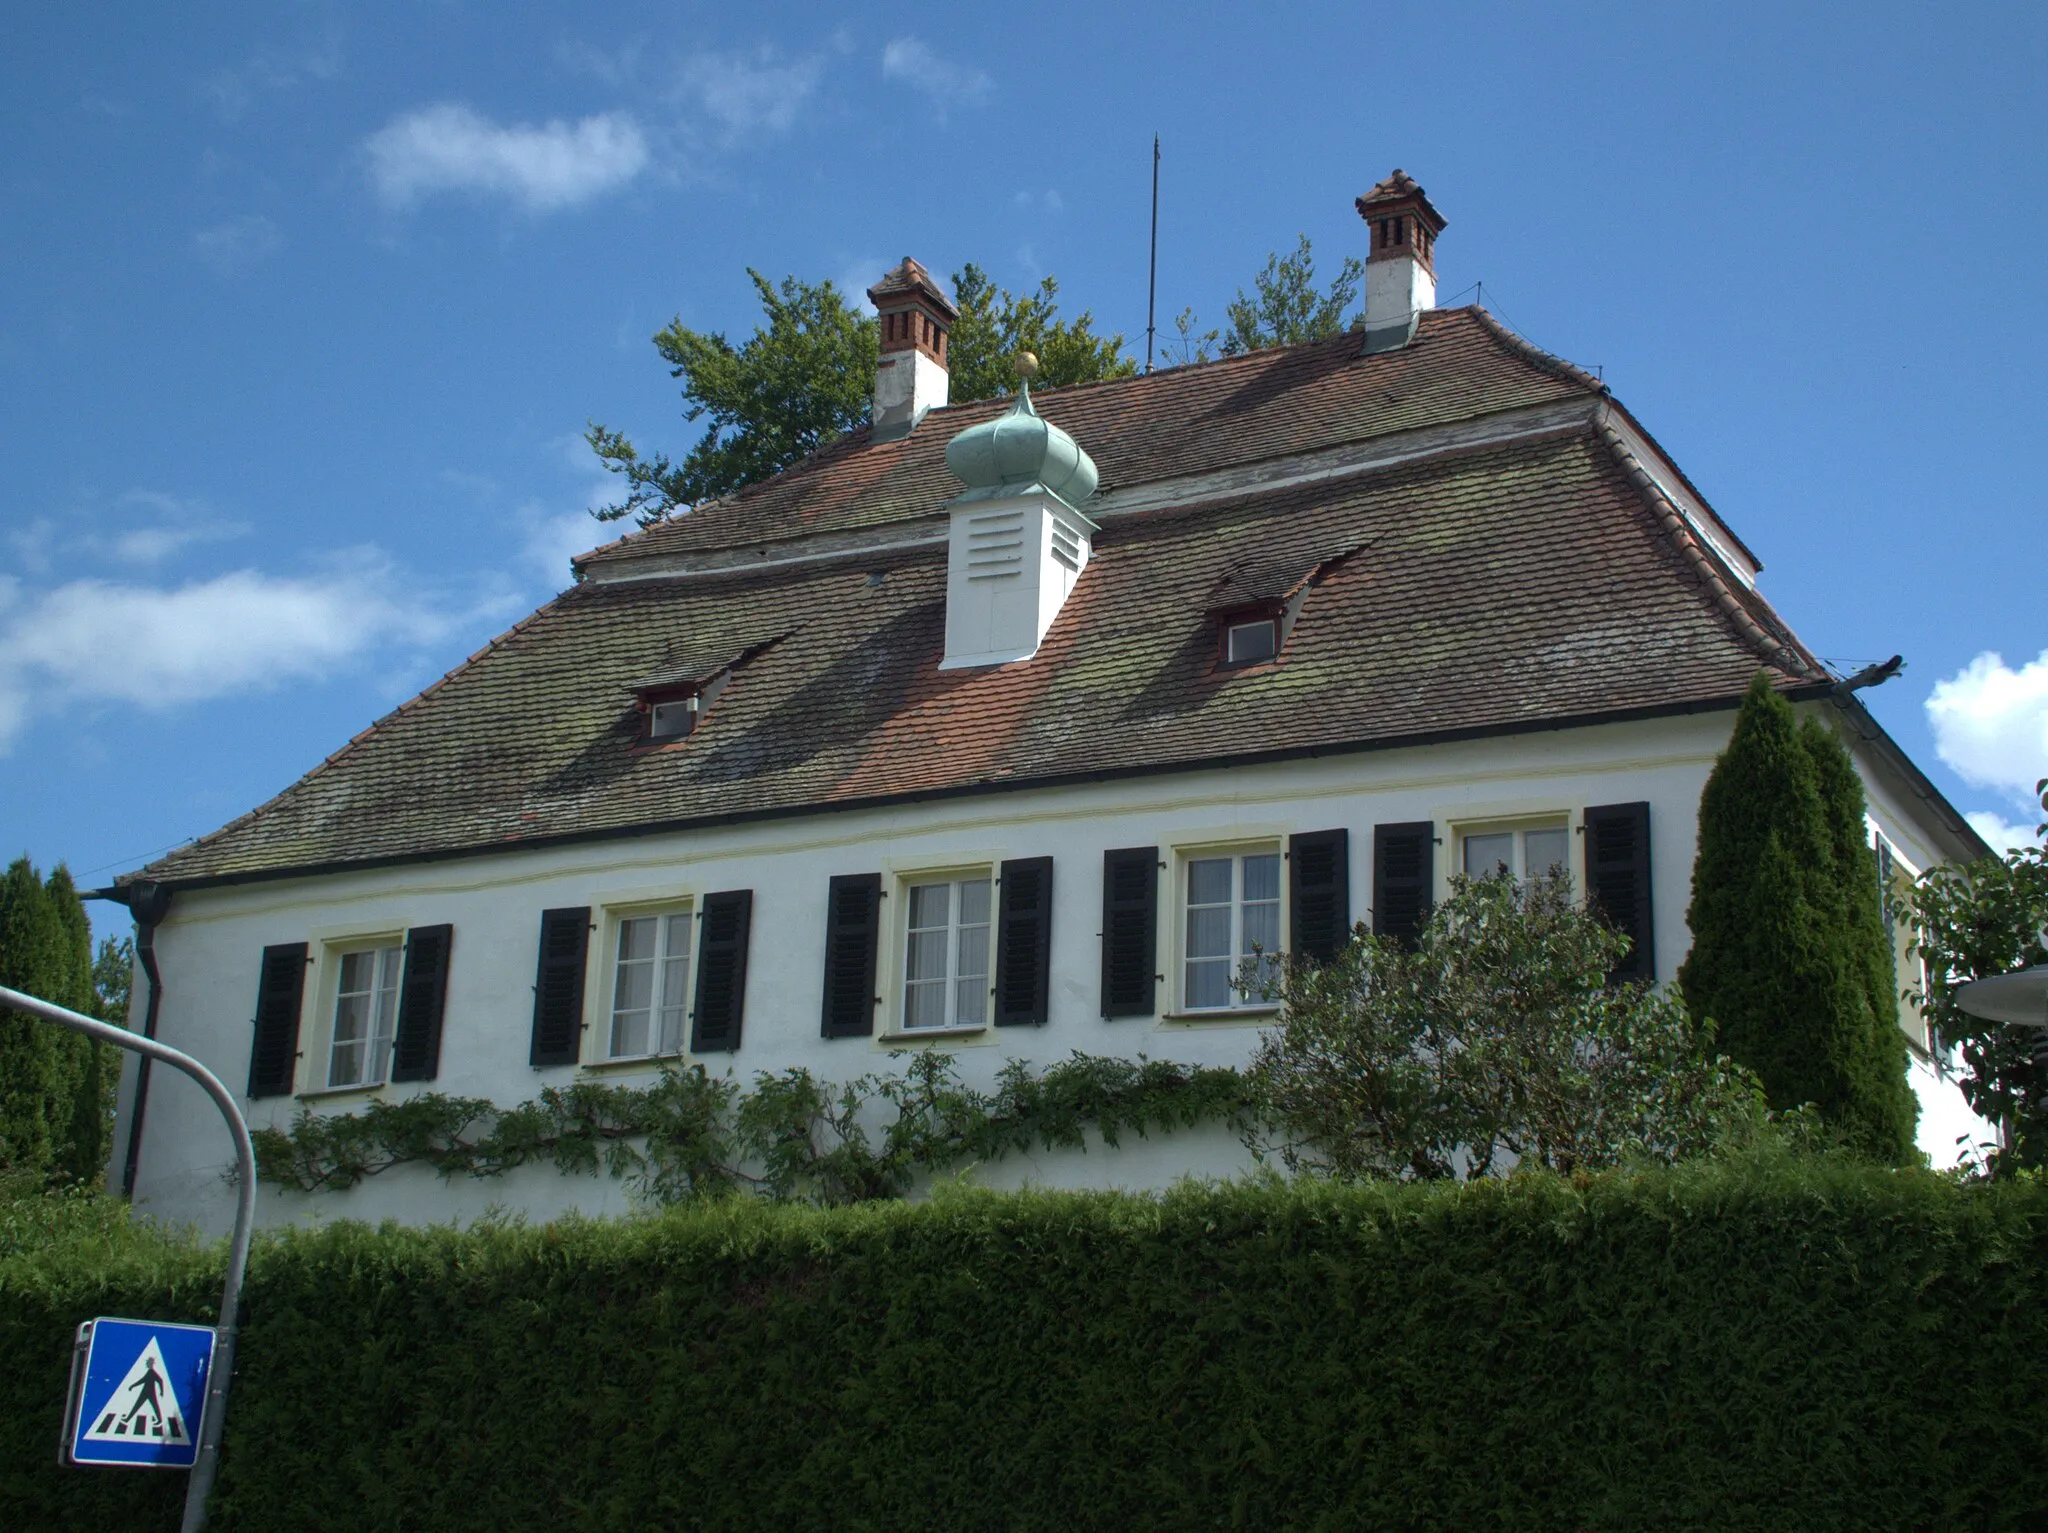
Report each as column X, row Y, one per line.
column 908, row 383
column 1948, row 1132
column 1396, row 288
column 210, row 947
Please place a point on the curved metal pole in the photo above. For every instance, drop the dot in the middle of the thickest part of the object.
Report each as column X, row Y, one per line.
column 207, row 1464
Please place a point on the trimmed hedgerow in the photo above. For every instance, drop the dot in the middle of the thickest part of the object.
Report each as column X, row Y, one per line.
column 1788, row 1345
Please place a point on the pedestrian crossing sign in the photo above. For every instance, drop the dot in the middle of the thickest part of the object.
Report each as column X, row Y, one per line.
column 138, row 1391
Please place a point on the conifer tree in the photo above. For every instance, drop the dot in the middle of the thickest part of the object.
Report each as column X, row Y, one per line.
column 1893, row 1109
column 30, row 1057
column 55, row 1086
column 1778, row 961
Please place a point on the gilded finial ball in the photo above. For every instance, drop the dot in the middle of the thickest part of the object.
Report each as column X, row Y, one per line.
column 1027, row 364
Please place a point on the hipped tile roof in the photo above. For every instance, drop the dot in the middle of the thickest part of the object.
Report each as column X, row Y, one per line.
column 1497, row 587
column 1190, row 420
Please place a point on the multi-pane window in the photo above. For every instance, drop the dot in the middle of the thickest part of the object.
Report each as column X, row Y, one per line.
column 1538, row 852
column 945, row 960
column 1233, row 915
column 365, row 1017
column 650, row 986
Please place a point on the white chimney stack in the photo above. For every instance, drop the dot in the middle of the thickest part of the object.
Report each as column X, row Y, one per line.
column 910, row 376
column 1400, row 268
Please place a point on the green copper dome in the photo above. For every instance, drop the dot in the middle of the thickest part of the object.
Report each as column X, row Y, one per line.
column 1020, row 450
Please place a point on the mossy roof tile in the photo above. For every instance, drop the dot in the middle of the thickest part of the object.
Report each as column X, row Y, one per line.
column 1491, row 588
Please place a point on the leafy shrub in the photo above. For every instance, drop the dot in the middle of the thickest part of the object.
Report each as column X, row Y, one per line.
column 1987, row 917
column 791, row 1138
column 1497, row 1042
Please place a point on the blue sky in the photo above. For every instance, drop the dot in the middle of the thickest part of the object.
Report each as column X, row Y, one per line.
column 306, row 305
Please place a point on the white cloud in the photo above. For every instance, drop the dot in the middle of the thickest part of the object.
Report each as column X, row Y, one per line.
column 1990, row 723
column 274, row 69
column 2001, row 834
column 98, row 528
column 744, row 95
column 614, row 67
column 552, row 538
column 449, row 147
column 237, row 243
column 97, row 641
column 153, row 545
column 853, row 283
column 946, row 83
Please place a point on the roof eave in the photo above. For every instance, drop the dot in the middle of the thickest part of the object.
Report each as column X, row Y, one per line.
column 1229, row 761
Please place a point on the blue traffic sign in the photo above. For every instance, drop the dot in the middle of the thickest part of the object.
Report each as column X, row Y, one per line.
column 138, row 1392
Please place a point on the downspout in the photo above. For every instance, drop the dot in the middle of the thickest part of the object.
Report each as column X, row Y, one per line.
column 148, row 902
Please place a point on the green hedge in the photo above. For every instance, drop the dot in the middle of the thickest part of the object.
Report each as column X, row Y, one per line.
column 1787, row 1346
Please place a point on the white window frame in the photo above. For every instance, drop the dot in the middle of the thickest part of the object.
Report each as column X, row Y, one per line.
column 334, row 956
column 1241, row 1003
column 1232, row 629
column 671, row 917
column 898, row 973
column 1562, row 822
column 680, row 711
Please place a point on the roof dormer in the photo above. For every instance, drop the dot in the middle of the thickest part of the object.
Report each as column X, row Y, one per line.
column 1019, row 539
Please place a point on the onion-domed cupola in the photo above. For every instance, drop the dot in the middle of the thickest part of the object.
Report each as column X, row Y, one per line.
column 1019, row 451
column 1019, row 538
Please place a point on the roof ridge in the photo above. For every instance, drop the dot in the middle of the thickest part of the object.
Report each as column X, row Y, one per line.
column 863, row 431
column 1261, row 359
column 1530, row 352
column 1774, row 648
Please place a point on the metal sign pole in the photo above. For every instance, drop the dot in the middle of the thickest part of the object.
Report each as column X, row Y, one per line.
column 207, row 1465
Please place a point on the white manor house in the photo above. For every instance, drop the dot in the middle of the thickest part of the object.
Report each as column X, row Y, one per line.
column 1006, row 728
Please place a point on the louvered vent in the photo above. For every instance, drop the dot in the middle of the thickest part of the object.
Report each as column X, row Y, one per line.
column 995, row 546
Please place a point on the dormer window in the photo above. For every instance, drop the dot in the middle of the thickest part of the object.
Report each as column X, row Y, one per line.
column 673, row 719
column 1251, row 641
column 671, row 703
column 1253, row 606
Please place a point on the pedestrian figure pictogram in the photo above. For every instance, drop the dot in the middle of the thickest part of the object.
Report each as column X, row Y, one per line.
column 145, row 1387
column 140, row 1391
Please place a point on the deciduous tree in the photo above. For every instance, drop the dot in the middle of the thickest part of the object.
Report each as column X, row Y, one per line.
column 1284, row 308
column 1496, row 1042
column 1971, row 922
column 806, row 377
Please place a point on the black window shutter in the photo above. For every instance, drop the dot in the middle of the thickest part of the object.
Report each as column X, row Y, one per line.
column 1884, row 892
column 1403, row 879
column 558, row 986
column 422, row 997
column 853, row 925
column 1130, row 930
column 1618, row 883
column 1319, row 877
column 1024, row 941
column 721, row 971
column 274, row 1051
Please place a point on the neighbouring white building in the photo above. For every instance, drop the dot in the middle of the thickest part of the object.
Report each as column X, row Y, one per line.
column 982, row 732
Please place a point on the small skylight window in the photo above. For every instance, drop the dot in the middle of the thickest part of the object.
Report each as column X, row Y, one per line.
column 673, row 719
column 1250, row 642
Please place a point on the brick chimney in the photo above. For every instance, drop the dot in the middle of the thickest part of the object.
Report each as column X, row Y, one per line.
column 910, row 377
column 1400, row 268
